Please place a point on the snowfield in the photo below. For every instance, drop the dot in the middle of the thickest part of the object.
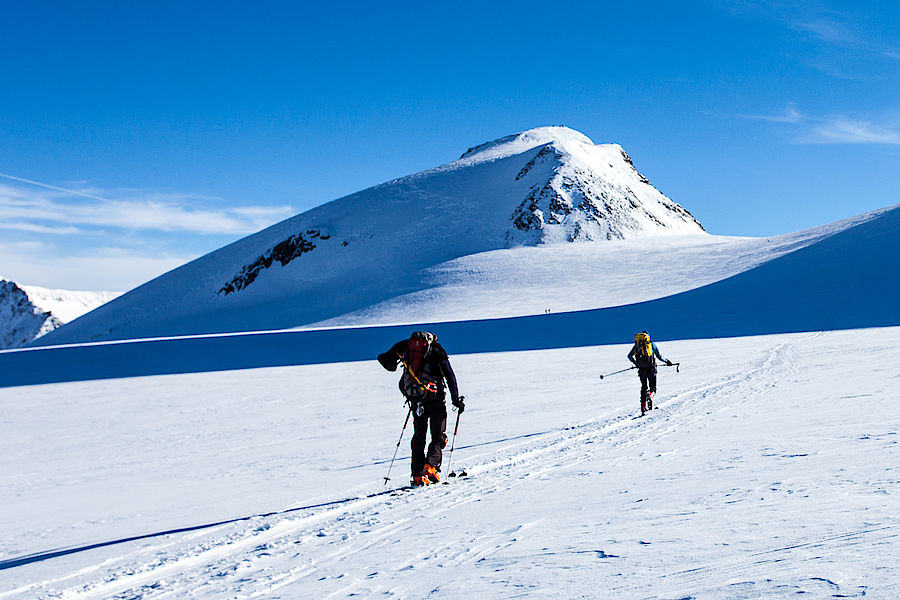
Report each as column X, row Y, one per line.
column 770, row 469
column 249, row 464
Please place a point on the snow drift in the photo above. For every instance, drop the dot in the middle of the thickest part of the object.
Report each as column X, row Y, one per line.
column 544, row 186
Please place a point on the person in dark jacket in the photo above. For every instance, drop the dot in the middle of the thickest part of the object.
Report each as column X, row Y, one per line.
column 643, row 355
column 426, row 366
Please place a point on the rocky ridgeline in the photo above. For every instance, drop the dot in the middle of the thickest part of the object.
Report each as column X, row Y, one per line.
column 21, row 321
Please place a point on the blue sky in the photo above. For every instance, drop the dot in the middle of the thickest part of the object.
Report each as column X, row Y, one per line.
column 135, row 137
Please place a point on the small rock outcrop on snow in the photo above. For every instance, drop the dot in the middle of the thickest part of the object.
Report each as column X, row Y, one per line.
column 282, row 253
column 29, row 312
column 545, row 186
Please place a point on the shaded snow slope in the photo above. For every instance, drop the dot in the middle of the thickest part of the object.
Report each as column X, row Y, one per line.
column 29, row 312
column 543, row 186
column 843, row 281
column 769, row 471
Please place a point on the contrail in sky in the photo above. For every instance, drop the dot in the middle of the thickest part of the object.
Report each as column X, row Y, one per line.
column 53, row 187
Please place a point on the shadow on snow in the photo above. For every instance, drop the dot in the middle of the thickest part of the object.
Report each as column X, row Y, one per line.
column 849, row 280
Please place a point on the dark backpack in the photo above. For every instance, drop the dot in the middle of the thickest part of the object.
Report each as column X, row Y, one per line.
column 415, row 383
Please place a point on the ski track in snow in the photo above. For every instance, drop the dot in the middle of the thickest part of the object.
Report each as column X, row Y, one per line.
column 333, row 552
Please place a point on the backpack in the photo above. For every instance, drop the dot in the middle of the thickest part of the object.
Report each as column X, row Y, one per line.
column 643, row 350
column 415, row 383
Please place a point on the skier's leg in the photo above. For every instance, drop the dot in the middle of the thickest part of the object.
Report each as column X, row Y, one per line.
column 420, row 430
column 642, row 373
column 438, row 435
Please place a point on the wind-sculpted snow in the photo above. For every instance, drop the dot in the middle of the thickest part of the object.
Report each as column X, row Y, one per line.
column 846, row 281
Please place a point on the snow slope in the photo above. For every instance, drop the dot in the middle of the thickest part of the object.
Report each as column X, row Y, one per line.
column 844, row 280
column 529, row 280
column 769, row 471
column 544, row 186
column 28, row 312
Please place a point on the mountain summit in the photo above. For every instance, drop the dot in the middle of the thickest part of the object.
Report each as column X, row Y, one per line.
column 580, row 191
column 544, row 186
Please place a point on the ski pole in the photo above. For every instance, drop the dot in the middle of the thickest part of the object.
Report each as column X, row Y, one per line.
column 676, row 365
column 453, row 444
column 617, row 372
column 388, row 476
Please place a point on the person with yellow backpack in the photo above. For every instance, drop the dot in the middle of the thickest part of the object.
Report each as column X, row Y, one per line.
column 643, row 355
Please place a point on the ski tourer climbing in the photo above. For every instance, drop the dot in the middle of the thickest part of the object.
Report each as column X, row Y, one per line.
column 643, row 355
column 426, row 366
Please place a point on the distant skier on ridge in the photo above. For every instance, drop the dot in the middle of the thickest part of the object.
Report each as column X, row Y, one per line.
column 643, row 355
column 426, row 366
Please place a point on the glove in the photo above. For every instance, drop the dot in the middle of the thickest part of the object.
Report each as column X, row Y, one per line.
column 389, row 360
column 668, row 363
column 459, row 404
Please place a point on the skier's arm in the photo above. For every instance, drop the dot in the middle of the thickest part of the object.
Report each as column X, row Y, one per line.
column 631, row 354
column 390, row 359
column 450, row 376
column 659, row 356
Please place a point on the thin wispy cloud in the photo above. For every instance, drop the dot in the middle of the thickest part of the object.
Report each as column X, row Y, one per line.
column 831, row 30
column 35, row 228
column 55, row 209
column 848, row 131
column 847, row 36
column 98, row 269
column 790, row 114
column 834, row 129
column 50, row 233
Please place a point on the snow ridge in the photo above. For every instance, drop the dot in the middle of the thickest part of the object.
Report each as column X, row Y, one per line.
column 30, row 312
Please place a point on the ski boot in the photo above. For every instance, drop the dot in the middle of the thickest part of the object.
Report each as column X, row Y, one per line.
column 649, row 400
column 643, row 407
column 420, row 480
column 431, row 474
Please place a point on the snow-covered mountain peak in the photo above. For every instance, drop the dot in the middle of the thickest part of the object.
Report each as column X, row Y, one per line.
column 581, row 191
column 543, row 186
column 559, row 136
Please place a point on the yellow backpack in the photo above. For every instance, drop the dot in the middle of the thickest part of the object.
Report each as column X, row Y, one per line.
column 643, row 353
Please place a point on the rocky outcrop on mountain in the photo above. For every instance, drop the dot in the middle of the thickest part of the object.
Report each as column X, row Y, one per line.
column 28, row 312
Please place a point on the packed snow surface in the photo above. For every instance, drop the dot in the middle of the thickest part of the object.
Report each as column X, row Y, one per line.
column 769, row 470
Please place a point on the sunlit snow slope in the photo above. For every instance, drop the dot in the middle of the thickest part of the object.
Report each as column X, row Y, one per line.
column 848, row 279
column 546, row 186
